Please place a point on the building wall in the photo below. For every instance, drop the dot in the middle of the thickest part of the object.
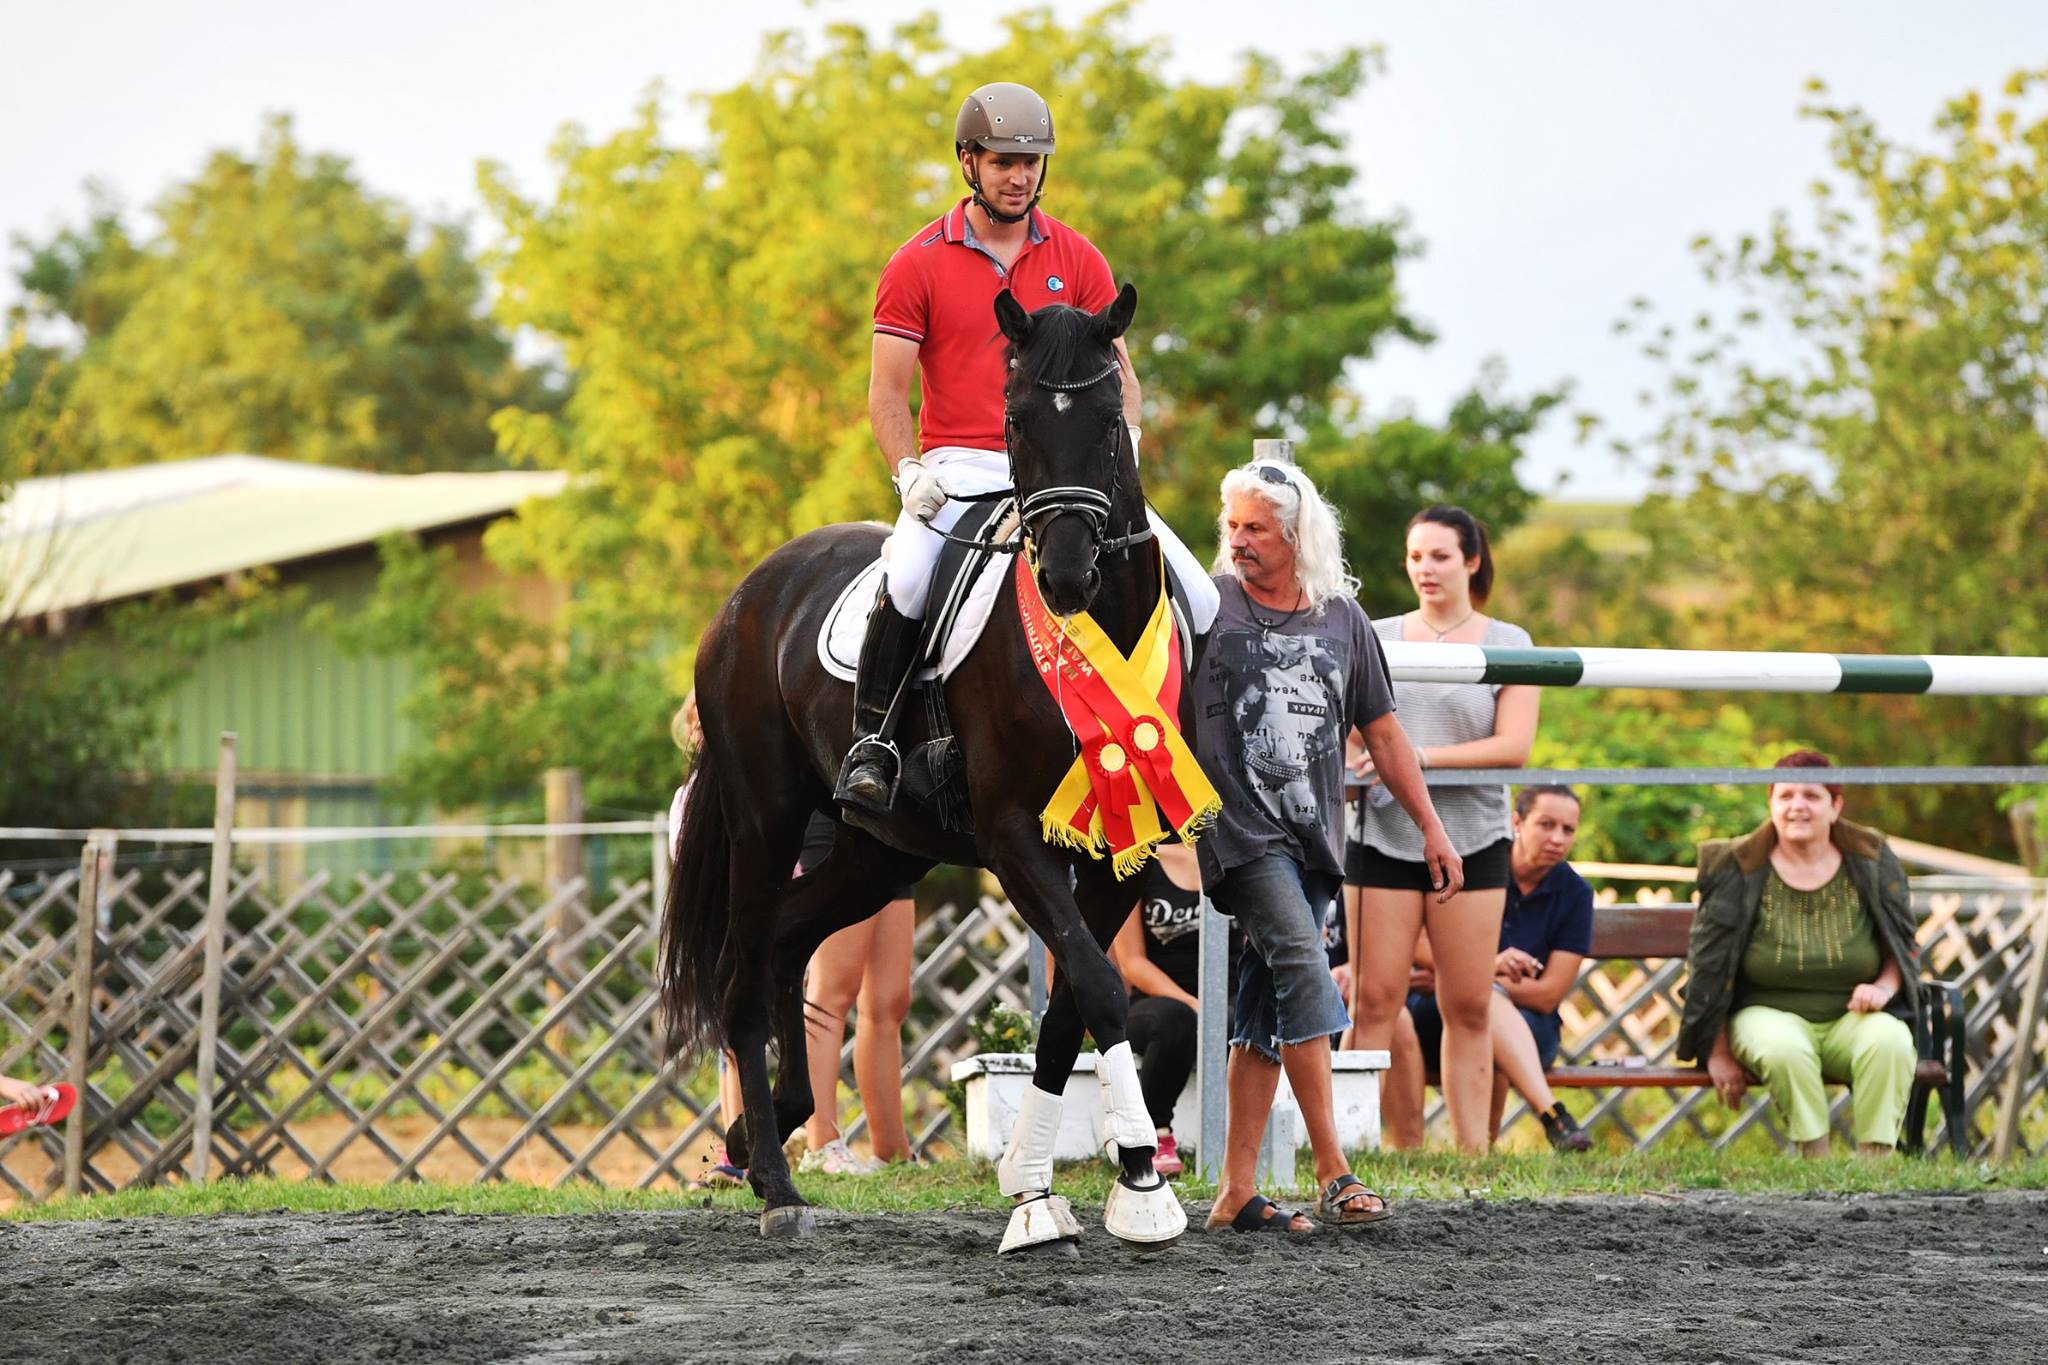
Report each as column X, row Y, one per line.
column 299, row 704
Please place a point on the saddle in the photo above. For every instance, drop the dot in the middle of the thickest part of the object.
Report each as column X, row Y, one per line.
column 965, row 583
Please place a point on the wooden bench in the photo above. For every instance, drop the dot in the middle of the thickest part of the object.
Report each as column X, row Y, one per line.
column 1639, row 932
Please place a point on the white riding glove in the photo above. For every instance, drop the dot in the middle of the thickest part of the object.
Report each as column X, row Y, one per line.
column 923, row 495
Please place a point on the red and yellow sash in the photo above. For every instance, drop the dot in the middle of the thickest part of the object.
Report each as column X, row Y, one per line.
column 1134, row 770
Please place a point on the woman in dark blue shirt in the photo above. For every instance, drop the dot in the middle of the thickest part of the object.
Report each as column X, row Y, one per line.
column 1545, row 934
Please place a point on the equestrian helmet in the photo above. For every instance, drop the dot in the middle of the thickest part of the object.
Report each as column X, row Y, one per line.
column 1005, row 117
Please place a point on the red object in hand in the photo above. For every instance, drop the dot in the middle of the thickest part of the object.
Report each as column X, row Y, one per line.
column 16, row 1117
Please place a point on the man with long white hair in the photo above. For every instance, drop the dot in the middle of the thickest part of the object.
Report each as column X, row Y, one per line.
column 1292, row 666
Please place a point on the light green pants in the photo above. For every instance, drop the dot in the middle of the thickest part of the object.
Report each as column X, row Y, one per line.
column 1872, row 1054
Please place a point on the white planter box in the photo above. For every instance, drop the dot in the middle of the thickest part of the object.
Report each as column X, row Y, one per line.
column 996, row 1081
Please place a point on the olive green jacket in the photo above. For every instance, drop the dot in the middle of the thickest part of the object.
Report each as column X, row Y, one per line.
column 1732, row 873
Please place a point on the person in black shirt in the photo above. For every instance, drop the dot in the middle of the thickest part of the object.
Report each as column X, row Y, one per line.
column 1159, row 953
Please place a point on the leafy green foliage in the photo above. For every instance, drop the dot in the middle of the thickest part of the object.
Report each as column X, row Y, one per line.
column 1657, row 825
column 85, row 724
column 1885, row 489
column 502, row 699
column 279, row 308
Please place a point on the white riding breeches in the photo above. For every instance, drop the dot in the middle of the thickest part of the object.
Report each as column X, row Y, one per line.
column 913, row 548
column 964, row 472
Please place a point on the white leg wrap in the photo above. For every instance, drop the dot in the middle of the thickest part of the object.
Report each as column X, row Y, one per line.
column 1026, row 1166
column 1123, row 1100
column 1046, row 1218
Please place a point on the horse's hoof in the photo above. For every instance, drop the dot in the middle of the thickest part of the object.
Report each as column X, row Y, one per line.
column 790, row 1221
column 1144, row 1216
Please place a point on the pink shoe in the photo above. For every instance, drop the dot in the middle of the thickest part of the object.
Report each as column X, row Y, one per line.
column 1166, row 1160
column 722, row 1171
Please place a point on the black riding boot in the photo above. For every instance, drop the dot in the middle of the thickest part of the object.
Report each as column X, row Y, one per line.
column 867, row 780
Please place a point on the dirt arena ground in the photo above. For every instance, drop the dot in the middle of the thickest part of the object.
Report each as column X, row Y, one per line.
column 1698, row 1278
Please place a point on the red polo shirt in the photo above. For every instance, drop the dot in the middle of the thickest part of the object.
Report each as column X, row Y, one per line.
column 939, row 290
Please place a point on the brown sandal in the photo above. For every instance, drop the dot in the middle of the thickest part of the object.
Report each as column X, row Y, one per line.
column 1336, row 1205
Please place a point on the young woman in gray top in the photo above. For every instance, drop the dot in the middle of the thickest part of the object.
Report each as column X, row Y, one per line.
column 1451, row 725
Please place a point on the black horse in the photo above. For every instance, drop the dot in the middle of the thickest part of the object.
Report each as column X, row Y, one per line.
column 738, row 931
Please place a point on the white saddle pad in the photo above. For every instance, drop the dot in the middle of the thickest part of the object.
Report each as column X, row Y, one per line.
column 846, row 625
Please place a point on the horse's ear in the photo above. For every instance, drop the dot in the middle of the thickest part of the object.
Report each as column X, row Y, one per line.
column 1113, row 321
column 1011, row 317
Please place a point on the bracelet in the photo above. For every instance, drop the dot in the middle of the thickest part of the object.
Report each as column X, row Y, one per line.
column 1422, row 758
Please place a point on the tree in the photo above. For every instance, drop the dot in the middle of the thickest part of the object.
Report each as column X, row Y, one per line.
column 1857, row 455
column 714, row 303
column 278, row 308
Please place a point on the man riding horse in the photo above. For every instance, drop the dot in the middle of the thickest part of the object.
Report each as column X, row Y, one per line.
column 933, row 317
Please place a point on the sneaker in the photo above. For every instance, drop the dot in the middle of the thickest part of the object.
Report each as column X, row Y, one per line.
column 722, row 1171
column 1563, row 1131
column 1166, row 1160
column 836, row 1158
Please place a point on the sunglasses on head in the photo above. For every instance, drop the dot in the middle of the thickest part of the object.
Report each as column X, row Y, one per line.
column 1273, row 474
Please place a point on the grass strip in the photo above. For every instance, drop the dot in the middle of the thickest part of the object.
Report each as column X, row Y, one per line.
column 961, row 1185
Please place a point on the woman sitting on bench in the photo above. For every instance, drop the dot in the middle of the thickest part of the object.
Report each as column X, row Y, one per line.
column 1545, row 933
column 1802, row 943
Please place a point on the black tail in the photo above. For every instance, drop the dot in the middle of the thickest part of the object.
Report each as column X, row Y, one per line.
column 696, row 927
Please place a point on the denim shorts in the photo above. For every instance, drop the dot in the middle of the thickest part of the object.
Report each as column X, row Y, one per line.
column 1284, row 991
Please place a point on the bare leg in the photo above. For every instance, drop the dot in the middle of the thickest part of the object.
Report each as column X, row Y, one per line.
column 830, row 988
column 1308, row 1072
column 1465, row 935
column 730, row 1105
column 1500, row 1107
column 1816, row 1148
column 1353, row 900
column 878, row 1029
column 1383, row 951
column 1251, row 1082
column 1514, row 1054
column 1401, row 1088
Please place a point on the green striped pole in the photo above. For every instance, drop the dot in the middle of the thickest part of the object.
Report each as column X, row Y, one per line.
column 1722, row 670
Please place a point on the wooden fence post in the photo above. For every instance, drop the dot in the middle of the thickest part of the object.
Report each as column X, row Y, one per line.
column 90, row 874
column 216, row 950
column 2023, row 1044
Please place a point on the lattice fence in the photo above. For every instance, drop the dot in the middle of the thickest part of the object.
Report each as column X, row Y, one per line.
column 457, row 1026
column 403, row 1025
column 1979, row 939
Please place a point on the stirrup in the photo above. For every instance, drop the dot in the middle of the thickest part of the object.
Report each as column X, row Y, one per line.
column 870, row 752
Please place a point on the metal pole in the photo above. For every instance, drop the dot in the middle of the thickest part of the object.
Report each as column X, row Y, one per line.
column 216, row 950
column 2023, row 1046
column 1212, row 1040
column 80, row 1060
column 663, row 854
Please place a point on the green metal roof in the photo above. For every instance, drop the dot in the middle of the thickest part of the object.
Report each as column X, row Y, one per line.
column 78, row 540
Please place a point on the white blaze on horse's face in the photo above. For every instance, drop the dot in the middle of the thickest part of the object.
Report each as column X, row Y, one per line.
column 1061, row 402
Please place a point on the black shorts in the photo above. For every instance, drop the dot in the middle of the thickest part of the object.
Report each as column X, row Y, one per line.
column 818, row 836
column 1364, row 865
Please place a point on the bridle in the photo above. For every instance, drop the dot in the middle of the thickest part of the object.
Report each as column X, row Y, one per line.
column 1041, row 507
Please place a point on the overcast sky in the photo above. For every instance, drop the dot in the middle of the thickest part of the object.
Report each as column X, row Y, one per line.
column 1555, row 158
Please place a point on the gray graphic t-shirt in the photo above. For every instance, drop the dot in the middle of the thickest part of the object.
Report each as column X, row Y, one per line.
column 1272, row 708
